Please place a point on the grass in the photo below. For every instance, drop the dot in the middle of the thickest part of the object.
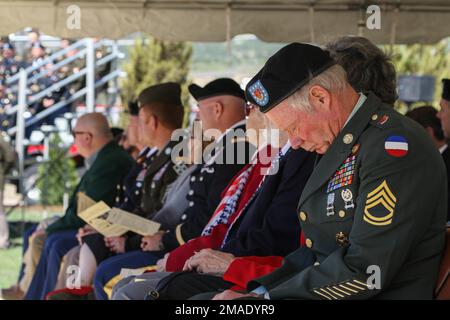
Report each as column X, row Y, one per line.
column 11, row 258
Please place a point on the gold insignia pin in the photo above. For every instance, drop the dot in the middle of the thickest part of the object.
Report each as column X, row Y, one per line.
column 383, row 197
column 348, row 138
column 355, row 149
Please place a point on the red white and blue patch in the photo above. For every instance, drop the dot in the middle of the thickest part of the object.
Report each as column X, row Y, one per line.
column 259, row 93
column 396, row 146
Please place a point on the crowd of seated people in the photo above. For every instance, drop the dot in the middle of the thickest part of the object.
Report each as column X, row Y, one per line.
column 33, row 53
column 291, row 189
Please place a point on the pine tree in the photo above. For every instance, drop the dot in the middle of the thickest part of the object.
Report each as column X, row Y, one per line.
column 56, row 175
column 153, row 61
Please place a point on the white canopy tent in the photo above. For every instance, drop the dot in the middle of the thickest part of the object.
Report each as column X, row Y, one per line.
column 402, row 21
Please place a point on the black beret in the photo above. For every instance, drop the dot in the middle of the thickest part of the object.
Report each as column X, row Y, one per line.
column 218, row 87
column 169, row 92
column 116, row 131
column 446, row 89
column 285, row 72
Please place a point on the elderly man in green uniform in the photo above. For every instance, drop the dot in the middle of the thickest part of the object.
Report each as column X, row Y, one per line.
column 374, row 209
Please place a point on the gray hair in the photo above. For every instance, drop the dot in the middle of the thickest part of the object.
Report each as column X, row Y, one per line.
column 333, row 79
column 368, row 67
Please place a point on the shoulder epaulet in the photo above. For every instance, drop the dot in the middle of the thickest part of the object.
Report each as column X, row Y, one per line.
column 381, row 120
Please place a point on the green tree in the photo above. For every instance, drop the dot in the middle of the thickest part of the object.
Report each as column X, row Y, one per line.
column 56, row 175
column 153, row 61
column 420, row 59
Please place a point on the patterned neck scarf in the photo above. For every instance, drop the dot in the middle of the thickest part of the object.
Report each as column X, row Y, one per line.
column 228, row 204
column 274, row 166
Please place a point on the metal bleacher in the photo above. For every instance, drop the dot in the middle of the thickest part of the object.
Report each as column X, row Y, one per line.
column 85, row 96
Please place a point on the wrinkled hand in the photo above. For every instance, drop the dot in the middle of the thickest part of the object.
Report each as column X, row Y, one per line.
column 116, row 244
column 152, row 243
column 209, row 261
column 161, row 263
column 84, row 231
column 231, row 295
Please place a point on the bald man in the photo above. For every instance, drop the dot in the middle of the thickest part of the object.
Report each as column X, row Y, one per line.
column 106, row 164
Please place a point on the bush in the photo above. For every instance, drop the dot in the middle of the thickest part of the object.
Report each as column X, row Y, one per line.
column 57, row 175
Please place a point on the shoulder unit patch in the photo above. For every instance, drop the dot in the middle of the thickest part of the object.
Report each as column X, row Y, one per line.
column 396, row 146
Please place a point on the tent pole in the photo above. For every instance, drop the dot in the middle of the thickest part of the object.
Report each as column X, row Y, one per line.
column 394, row 28
column 311, row 24
column 228, row 29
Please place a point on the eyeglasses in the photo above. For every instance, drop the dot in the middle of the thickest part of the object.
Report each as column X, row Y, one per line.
column 75, row 133
column 249, row 107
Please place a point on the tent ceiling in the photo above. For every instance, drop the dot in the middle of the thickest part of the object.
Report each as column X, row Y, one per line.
column 217, row 20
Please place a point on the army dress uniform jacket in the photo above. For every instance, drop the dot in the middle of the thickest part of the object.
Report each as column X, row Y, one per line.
column 207, row 183
column 160, row 174
column 129, row 191
column 373, row 212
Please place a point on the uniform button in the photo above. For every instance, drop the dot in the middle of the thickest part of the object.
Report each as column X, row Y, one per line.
column 191, row 203
column 191, row 192
column 183, row 217
column 154, row 294
column 124, row 188
column 317, row 263
column 136, row 192
column 118, row 187
column 374, row 117
column 302, row 216
column 192, row 179
column 341, row 213
column 117, row 199
column 201, row 179
column 139, row 184
column 126, row 199
column 348, row 138
column 309, row 243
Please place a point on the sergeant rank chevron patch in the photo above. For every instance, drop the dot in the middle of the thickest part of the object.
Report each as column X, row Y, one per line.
column 380, row 205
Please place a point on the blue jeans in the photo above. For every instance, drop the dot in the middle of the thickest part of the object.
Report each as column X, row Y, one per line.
column 46, row 274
